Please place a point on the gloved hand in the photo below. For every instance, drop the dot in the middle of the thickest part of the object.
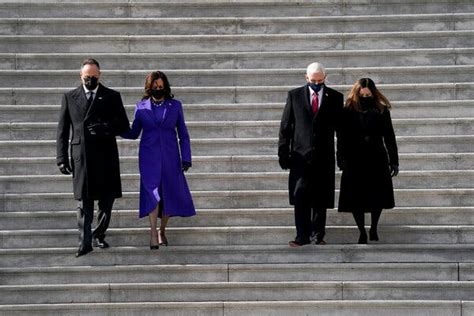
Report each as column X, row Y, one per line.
column 393, row 170
column 285, row 162
column 186, row 165
column 99, row 129
column 65, row 168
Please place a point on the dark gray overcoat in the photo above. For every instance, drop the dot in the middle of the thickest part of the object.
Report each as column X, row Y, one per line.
column 310, row 140
column 94, row 159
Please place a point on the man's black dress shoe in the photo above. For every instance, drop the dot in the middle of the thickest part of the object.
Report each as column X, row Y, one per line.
column 83, row 251
column 320, row 242
column 298, row 243
column 101, row 243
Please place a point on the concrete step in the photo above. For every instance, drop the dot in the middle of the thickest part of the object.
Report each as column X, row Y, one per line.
column 248, row 254
column 242, row 60
column 169, row 292
column 252, row 308
column 256, row 235
column 234, row 43
column 127, row 9
column 243, row 94
column 214, row 181
column 245, row 77
column 239, row 273
column 431, row 109
column 244, row 146
column 401, row 216
column 230, row 129
column 255, row 163
column 236, row 291
column 236, row 25
column 237, row 43
column 12, row 202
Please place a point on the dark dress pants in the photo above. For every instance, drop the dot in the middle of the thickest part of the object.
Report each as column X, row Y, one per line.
column 308, row 220
column 302, row 211
column 85, row 214
column 318, row 223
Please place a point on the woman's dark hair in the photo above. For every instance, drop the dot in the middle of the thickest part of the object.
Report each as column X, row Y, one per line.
column 155, row 75
column 90, row 61
column 352, row 101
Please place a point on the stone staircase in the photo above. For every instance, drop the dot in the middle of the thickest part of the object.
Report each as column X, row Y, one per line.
column 232, row 63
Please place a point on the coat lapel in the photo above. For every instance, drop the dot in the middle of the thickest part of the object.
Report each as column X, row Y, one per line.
column 324, row 100
column 304, row 96
column 149, row 111
column 96, row 103
column 167, row 104
column 323, row 105
column 80, row 101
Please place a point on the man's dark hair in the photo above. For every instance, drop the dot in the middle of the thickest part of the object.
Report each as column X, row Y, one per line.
column 90, row 61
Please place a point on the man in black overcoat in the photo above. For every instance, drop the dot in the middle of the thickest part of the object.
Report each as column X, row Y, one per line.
column 90, row 118
column 306, row 147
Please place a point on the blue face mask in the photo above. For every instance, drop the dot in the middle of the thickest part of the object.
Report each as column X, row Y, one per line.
column 316, row 86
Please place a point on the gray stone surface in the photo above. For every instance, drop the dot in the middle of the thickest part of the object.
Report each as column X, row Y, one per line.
column 243, row 60
column 232, row 63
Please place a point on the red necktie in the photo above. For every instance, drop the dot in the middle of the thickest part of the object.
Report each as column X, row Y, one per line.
column 315, row 103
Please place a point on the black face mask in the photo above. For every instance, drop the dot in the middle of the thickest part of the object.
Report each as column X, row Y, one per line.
column 157, row 93
column 316, row 86
column 366, row 103
column 91, row 83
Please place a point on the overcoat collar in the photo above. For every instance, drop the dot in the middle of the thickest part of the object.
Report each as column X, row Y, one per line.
column 97, row 101
column 80, row 98
column 148, row 106
column 307, row 104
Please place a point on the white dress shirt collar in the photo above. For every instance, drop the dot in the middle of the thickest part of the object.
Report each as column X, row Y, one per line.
column 93, row 91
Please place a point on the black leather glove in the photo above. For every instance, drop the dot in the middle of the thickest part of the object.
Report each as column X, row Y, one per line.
column 99, row 129
column 186, row 165
column 65, row 168
column 393, row 170
column 285, row 162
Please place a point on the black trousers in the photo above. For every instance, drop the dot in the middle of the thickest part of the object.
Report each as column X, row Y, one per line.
column 308, row 220
column 85, row 214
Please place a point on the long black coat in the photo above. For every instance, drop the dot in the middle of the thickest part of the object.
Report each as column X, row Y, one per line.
column 94, row 159
column 366, row 148
column 310, row 141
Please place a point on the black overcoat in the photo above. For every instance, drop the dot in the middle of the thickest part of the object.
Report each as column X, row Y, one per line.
column 310, row 140
column 94, row 159
column 366, row 148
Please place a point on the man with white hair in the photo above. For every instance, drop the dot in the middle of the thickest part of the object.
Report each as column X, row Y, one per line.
column 306, row 147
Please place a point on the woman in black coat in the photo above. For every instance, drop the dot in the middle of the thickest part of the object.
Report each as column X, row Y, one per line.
column 367, row 155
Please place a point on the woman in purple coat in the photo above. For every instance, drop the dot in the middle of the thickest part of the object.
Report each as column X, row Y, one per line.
column 164, row 191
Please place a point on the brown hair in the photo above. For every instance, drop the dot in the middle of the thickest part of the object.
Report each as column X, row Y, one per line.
column 152, row 76
column 352, row 101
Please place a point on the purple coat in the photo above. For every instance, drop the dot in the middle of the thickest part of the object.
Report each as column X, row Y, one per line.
column 161, row 177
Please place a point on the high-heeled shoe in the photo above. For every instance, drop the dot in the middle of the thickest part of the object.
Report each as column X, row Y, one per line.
column 154, row 244
column 362, row 239
column 373, row 235
column 162, row 240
